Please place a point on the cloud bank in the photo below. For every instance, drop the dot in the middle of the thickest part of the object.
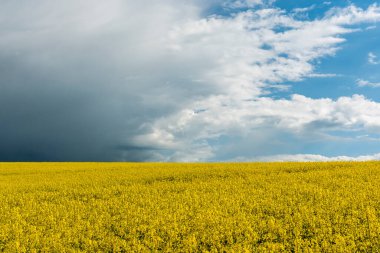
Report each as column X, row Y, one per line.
column 312, row 158
column 159, row 80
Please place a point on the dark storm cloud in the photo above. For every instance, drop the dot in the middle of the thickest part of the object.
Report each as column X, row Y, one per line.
column 59, row 116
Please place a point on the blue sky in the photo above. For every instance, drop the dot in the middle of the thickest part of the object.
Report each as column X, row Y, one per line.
column 166, row 80
column 350, row 64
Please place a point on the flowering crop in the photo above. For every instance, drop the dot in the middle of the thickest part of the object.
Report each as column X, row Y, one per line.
column 209, row 207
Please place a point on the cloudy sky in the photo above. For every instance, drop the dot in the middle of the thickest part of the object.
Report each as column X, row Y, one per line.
column 189, row 80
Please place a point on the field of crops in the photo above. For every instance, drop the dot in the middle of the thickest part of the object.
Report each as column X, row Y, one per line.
column 241, row 207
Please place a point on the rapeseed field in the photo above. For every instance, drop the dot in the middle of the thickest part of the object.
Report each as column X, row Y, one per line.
column 210, row 207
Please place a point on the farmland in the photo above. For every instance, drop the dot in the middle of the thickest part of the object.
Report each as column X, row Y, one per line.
column 201, row 207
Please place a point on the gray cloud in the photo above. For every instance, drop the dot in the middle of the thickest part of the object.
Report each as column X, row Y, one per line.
column 79, row 79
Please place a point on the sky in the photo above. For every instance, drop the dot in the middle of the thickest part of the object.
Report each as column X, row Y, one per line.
column 189, row 80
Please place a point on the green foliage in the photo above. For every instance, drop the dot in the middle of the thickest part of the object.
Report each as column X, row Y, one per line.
column 237, row 207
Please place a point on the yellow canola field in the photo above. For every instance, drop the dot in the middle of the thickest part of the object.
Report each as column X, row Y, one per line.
column 210, row 207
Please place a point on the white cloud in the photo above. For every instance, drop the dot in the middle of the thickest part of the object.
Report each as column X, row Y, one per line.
column 305, row 9
column 247, row 3
column 352, row 14
column 310, row 158
column 300, row 116
column 322, row 75
column 372, row 58
column 365, row 83
column 371, row 27
column 249, row 57
column 242, row 66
